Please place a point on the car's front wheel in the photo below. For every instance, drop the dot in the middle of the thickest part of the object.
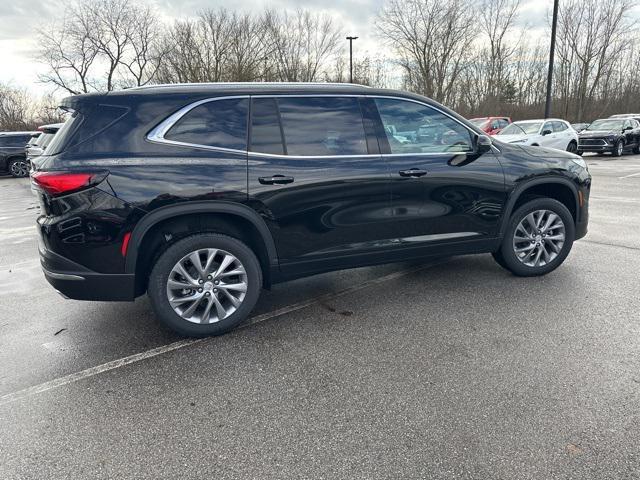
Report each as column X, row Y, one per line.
column 538, row 238
column 205, row 284
column 19, row 167
column 618, row 149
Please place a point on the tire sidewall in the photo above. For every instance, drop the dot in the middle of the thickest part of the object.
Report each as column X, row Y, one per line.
column 617, row 150
column 508, row 255
column 157, row 288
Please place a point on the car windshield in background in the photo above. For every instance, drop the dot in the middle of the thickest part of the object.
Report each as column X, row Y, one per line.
column 519, row 128
column 478, row 121
column 606, row 124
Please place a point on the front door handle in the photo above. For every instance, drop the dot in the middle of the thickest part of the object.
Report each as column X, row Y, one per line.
column 412, row 172
column 275, row 180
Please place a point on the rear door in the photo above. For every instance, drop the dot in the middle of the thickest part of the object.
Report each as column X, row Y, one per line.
column 442, row 190
column 316, row 175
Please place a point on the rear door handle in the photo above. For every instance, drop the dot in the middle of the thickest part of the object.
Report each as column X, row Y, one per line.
column 275, row 180
column 412, row 172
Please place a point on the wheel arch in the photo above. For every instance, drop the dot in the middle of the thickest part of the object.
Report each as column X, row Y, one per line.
column 241, row 219
column 561, row 189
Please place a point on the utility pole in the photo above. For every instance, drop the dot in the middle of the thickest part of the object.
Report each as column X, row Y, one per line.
column 351, row 39
column 552, row 51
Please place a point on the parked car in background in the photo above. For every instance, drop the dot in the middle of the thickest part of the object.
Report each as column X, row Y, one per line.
column 626, row 115
column 202, row 194
column 38, row 147
column 491, row 125
column 13, row 158
column 578, row 127
column 613, row 135
column 552, row 133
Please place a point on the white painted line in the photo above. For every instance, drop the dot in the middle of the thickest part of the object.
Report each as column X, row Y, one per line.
column 154, row 352
column 629, row 176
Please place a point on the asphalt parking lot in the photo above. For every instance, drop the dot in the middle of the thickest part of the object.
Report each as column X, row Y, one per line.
column 452, row 369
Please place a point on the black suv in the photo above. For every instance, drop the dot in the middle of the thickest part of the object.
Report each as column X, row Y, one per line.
column 13, row 157
column 614, row 135
column 200, row 195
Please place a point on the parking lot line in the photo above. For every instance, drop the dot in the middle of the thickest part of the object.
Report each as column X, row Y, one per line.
column 629, row 176
column 154, row 352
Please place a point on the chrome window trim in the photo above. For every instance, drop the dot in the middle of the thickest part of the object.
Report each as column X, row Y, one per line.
column 156, row 135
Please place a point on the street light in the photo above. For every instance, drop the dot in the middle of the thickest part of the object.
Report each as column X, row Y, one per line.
column 552, row 51
column 351, row 39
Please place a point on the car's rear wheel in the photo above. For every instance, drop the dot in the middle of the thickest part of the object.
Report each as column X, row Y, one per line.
column 538, row 238
column 19, row 167
column 205, row 284
column 618, row 149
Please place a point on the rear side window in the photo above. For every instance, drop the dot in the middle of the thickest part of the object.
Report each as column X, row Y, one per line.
column 56, row 143
column 559, row 127
column 219, row 123
column 266, row 135
column 322, row 126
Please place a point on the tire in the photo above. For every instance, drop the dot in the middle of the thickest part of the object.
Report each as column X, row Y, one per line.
column 204, row 293
column 572, row 147
column 18, row 167
column 618, row 149
column 524, row 264
column 636, row 149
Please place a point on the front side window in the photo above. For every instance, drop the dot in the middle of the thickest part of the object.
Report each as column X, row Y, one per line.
column 415, row 128
column 548, row 127
column 322, row 126
column 219, row 123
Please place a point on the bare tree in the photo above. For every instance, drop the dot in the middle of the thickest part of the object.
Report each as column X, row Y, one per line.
column 302, row 42
column 69, row 54
column 432, row 41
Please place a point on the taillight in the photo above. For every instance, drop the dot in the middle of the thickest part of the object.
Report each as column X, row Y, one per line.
column 62, row 183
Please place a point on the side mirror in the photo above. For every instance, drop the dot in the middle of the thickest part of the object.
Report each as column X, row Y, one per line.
column 483, row 143
column 546, row 132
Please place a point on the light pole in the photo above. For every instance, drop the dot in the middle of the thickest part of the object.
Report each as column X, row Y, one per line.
column 351, row 39
column 552, row 51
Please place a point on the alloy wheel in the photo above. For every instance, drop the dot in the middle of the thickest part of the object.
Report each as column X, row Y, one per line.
column 539, row 238
column 619, row 149
column 207, row 285
column 19, row 168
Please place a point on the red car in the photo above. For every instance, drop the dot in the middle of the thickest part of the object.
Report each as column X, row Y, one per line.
column 491, row 125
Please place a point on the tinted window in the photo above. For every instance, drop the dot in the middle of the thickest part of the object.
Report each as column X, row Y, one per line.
column 503, row 123
column 14, row 140
column 219, row 123
column 559, row 127
column 414, row 128
column 62, row 137
column 322, row 126
column 266, row 136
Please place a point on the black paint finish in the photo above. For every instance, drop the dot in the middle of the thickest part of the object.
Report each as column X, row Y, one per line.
column 329, row 212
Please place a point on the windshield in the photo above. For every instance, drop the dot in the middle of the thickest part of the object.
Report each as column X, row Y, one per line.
column 520, row 128
column 606, row 124
column 478, row 121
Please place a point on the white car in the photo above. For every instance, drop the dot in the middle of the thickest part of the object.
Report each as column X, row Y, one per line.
column 551, row 133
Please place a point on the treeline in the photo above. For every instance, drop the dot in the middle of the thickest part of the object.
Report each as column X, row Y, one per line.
column 474, row 56
column 21, row 111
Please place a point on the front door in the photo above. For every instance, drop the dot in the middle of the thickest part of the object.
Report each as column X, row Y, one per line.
column 316, row 175
column 442, row 191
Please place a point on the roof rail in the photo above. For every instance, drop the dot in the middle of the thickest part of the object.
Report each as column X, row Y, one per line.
column 247, row 84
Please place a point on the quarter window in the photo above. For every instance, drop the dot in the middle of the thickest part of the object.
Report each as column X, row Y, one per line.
column 415, row 128
column 321, row 126
column 219, row 123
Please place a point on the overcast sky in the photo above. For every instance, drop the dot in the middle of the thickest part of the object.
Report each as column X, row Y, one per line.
column 20, row 19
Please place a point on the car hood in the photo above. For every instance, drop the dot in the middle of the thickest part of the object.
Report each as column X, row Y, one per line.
column 543, row 152
column 512, row 138
column 597, row 133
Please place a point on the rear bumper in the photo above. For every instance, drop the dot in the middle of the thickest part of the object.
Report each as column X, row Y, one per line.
column 79, row 283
